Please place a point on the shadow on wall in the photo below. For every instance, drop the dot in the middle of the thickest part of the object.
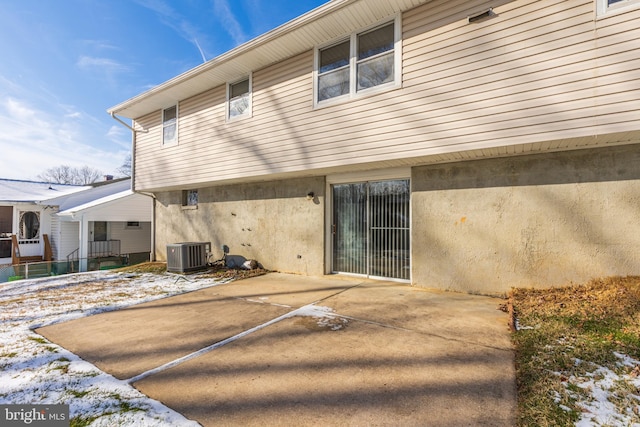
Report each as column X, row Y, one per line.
column 578, row 166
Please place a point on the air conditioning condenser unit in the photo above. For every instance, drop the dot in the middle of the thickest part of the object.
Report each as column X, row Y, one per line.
column 187, row 256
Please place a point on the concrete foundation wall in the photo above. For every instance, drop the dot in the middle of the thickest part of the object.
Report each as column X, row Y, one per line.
column 477, row 226
column 542, row 220
column 271, row 222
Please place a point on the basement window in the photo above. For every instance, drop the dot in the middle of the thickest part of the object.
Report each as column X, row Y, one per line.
column 190, row 199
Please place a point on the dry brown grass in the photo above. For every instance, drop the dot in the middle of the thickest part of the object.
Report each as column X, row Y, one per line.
column 606, row 299
column 586, row 322
column 215, row 272
column 146, row 267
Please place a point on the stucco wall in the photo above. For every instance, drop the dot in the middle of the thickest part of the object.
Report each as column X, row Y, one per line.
column 272, row 222
column 542, row 220
column 477, row 226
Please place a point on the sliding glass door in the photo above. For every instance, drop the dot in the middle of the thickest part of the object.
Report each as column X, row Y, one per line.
column 371, row 234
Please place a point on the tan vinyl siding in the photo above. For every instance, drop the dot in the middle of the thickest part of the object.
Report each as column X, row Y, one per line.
column 539, row 72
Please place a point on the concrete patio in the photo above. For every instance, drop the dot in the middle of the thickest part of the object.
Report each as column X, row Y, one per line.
column 390, row 354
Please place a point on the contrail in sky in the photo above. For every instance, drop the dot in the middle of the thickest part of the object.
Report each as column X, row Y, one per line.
column 204, row 59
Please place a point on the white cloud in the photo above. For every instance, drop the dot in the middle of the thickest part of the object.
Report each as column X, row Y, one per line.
column 177, row 22
column 229, row 21
column 120, row 136
column 106, row 64
column 99, row 45
column 74, row 115
column 33, row 140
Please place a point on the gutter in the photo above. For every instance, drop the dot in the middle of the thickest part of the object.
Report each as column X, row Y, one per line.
column 125, row 124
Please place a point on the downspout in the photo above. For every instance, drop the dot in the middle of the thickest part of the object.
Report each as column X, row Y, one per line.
column 134, row 133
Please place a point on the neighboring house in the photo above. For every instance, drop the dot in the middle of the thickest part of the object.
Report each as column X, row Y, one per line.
column 100, row 220
column 467, row 145
column 22, row 216
column 108, row 219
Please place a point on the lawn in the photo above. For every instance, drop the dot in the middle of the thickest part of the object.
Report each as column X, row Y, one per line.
column 36, row 371
column 577, row 354
column 577, row 348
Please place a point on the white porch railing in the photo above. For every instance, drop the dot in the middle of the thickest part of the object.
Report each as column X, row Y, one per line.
column 98, row 250
column 104, row 248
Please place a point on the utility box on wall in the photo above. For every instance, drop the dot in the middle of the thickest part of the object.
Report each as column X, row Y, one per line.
column 187, row 256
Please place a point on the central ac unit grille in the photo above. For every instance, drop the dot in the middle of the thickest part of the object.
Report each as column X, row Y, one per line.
column 187, row 256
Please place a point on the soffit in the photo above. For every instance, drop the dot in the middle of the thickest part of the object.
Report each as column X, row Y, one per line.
column 321, row 25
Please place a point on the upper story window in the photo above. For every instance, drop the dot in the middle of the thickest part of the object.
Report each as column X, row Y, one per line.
column 365, row 60
column 606, row 6
column 170, row 125
column 239, row 99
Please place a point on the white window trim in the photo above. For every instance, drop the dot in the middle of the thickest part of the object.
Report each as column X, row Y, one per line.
column 171, row 144
column 249, row 112
column 603, row 9
column 353, row 93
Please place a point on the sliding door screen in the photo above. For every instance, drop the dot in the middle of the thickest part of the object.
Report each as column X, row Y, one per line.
column 371, row 229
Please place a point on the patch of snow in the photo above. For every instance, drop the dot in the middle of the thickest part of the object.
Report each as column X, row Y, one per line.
column 603, row 387
column 326, row 318
column 311, row 310
column 520, row 327
column 36, row 371
column 626, row 360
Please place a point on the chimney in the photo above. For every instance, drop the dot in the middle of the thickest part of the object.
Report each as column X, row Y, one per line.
column 108, row 177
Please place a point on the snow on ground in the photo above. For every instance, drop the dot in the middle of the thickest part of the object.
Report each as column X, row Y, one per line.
column 606, row 397
column 36, row 371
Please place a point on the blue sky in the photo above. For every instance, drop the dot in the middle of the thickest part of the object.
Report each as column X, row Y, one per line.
column 65, row 62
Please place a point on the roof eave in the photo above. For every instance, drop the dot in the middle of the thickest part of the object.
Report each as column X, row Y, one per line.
column 121, row 109
column 227, row 64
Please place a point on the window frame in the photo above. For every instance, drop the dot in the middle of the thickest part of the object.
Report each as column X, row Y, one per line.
column 132, row 225
column 33, row 227
column 186, row 202
column 227, row 106
column 166, row 125
column 352, row 38
column 603, row 9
